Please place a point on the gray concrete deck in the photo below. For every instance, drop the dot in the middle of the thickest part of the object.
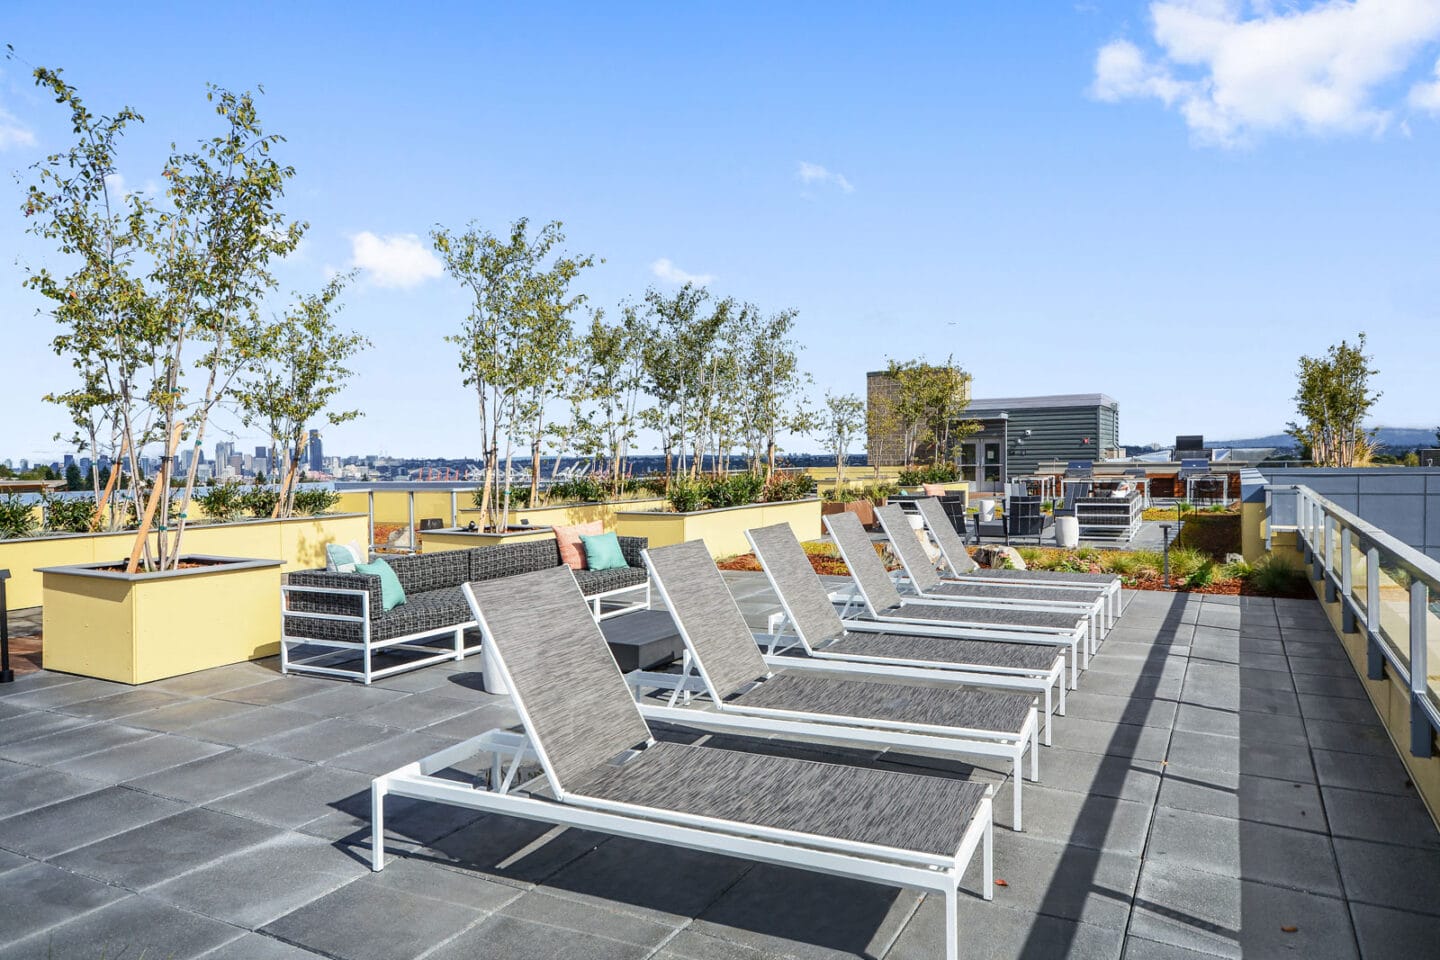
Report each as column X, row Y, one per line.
column 1219, row 778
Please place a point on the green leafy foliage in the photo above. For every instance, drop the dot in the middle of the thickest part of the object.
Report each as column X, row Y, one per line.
column 69, row 514
column 1277, row 575
column 913, row 476
column 259, row 501
column 223, row 502
column 17, row 517
column 314, row 501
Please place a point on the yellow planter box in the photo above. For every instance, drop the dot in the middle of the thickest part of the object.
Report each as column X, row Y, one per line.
column 299, row 543
column 723, row 530
column 451, row 538
column 134, row 628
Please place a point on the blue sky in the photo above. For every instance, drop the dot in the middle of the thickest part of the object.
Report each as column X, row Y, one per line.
column 1166, row 202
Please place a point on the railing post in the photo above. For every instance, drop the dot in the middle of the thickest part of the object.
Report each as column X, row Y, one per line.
column 1374, row 659
column 370, row 547
column 1329, row 565
column 6, row 674
column 1317, row 565
column 1302, row 524
column 1347, row 582
column 1422, row 735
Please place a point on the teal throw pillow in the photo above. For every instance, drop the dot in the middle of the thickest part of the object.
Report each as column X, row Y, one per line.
column 340, row 558
column 391, row 593
column 602, row 552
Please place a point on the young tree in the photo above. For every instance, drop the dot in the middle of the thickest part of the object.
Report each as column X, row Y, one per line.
column 838, row 424
column 305, row 373
column 162, row 283
column 1333, row 397
column 774, row 384
column 667, row 363
column 610, row 360
column 515, row 310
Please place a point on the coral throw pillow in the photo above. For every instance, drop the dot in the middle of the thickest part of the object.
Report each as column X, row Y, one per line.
column 934, row 489
column 572, row 554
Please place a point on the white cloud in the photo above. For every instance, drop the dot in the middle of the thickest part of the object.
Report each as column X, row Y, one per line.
column 814, row 173
column 670, row 273
column 395, row 260
column 120, row 191
column 1234, row 75
column 1426, row 96
column 13, row 133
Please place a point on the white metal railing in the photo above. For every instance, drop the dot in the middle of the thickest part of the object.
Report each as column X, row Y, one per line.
column 1386, row 589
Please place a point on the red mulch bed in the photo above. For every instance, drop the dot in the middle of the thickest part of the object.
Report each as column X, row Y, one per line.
column 825, row 566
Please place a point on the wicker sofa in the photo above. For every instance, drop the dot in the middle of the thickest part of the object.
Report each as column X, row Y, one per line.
column 335, row 623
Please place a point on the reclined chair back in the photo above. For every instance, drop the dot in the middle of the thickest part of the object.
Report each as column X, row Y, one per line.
column 802, row 594
column 720, row 641
column 907, row 547
column 951, row 544
column 569, row 693
column 869, row 573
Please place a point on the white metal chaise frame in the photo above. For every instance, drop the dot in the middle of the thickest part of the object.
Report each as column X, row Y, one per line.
column 1049, row 684
column 927, row 508
column 1076, row 641
column 1094, row 610
column 868, row 862
column 871, row 733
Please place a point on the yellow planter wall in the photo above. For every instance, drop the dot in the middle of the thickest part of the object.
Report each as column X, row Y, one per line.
column 441, row 541
column 1252, row 531
column 393, row 506
column 152, row 626
column 298, row 542
column 722, row 530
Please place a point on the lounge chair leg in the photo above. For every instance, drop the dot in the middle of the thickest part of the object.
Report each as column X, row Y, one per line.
column 1049, row 715
column 952, row 923
column 988, row 847
column 459, row 644
column 1061, row 685
column 1017, row 826
column 1035, row 751
column 1074, row 668
column 378, row 789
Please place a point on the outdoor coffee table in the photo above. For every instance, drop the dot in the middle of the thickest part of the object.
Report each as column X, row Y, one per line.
column 643, row 640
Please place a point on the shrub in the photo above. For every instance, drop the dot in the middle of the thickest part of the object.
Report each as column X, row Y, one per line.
column 685, row 495
column 1211, row 534
column 17, row 519
column 260, row 501
column 733, row 490
column 586, row 489
column 223, row 502
column 1203, row 576
column 1184, row 561
column 315, row 501
column 1276, row 575
column 654, row 485
column 913, row 476
column 69, row 514
column 788, row 486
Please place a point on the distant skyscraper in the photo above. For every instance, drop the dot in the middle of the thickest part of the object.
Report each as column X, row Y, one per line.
column 316, row 452
column 69, row 460
column 262, row 452
column 223, row 451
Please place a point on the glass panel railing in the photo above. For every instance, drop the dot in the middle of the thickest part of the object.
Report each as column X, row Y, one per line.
column 1395, row 608
column 1359, row 586
column 1432, row 643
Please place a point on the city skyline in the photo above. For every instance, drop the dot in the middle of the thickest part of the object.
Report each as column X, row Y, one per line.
column 1093, row 198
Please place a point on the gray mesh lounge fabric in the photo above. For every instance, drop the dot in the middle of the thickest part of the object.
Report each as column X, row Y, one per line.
column 906, row 545
column 864, row 564
column 575, row 703
column 896, row 702
column 981, row 591
column 989, row 616
column 785, row 563
column 884, row 600
column 980, row 653
column 951, row 544
column 702, row 605
column 961, row 562
column 901, row 810
column 819, row 626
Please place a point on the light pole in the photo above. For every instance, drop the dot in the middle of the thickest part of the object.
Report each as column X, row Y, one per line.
column 6, row 674
column 1165, row 547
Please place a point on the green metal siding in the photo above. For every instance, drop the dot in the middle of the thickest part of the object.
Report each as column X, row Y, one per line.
column 1056, row 433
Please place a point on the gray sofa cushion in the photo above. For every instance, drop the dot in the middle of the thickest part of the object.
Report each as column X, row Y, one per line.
column 423, row 572
column 599, row 581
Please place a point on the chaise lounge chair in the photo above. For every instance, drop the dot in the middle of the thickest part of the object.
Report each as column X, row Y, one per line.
column 749, row 696
column 964, row 569
column 920, row 577
column 602, row 769
column 910, row 651
column 882, row 603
